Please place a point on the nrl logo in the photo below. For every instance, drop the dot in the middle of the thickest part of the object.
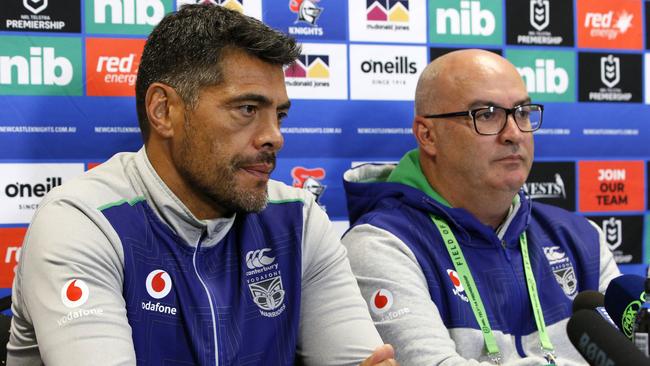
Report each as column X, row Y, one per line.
column 35, row 6
column 613, row 229
column 610, row 70
column 540, row 14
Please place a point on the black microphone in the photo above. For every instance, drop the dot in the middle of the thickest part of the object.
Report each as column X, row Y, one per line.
column 600, row 344
column 623, row 299
column 588, row 300
column 592, row 300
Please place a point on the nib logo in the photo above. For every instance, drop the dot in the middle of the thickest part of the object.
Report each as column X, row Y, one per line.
column 309, row 66
column 381, row 301
column 610, row 70
column 158, row 284
column 129, row 11
column 469, row 20
column 540, row 11
column 387, row 10
column 74, row 293
column 545, row 78
column 42, row 68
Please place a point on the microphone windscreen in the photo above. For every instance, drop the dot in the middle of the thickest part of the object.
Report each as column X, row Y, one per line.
column 600, row 344
column 588, row 300
column 623, row 299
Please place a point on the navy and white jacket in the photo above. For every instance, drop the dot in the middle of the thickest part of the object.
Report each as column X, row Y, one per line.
column 115, row 270
column 416, row 300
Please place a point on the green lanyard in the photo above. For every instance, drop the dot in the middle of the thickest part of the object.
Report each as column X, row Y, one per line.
column 467, row 280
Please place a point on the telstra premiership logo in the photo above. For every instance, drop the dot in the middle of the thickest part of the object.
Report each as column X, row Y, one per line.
column 540, row 14
column 610, row 70
column 35, row 6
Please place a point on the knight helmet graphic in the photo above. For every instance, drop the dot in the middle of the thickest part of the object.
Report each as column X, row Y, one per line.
column 307, row 10
column 309, row 180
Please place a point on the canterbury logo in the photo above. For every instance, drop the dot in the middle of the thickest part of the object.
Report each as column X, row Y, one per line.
column 258, row 259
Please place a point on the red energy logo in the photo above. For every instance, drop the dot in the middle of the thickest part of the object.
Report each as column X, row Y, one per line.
column 112, row 66
column 11, row 241
column 610, row 24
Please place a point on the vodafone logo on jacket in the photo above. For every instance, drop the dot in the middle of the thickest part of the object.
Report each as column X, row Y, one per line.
column 458, row 290
column 381, row 301
column 74, row 293
column 158, row 284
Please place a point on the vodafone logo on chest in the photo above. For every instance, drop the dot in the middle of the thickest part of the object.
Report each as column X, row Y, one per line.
column 158, row 284
column 74, row 293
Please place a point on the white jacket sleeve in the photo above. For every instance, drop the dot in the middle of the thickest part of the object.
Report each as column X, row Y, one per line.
column 58, row 322
column 335, row 327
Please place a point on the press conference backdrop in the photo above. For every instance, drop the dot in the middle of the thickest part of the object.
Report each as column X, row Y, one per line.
column 68, row 67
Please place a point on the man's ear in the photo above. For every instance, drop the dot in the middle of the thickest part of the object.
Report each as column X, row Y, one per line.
column 162, row 105
column 424, row 135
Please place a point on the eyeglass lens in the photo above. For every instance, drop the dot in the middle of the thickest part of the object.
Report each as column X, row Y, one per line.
column 491, row 120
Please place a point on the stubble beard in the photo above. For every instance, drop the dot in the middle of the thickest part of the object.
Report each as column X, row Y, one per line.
column 217, row 182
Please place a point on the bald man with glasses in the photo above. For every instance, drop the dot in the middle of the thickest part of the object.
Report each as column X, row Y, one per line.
column 457, row 264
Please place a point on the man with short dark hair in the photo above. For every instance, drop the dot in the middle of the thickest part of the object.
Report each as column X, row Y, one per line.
column 459, row 267
column 185, row 252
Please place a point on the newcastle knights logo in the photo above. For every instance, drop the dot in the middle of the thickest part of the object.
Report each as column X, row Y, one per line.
column 307, row 10
column 309, row 180
column 610, row 70
column 540, row 14
column 613, row 229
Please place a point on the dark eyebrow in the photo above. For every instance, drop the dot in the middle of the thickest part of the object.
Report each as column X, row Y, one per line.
column 261, row 99
column 486, row 103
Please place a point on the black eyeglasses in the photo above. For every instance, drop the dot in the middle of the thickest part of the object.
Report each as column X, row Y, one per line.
column 492, row 120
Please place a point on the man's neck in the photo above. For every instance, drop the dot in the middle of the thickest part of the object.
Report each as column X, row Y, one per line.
column 489, row 206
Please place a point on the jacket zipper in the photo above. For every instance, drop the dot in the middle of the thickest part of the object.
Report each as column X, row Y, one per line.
column 207, row 292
